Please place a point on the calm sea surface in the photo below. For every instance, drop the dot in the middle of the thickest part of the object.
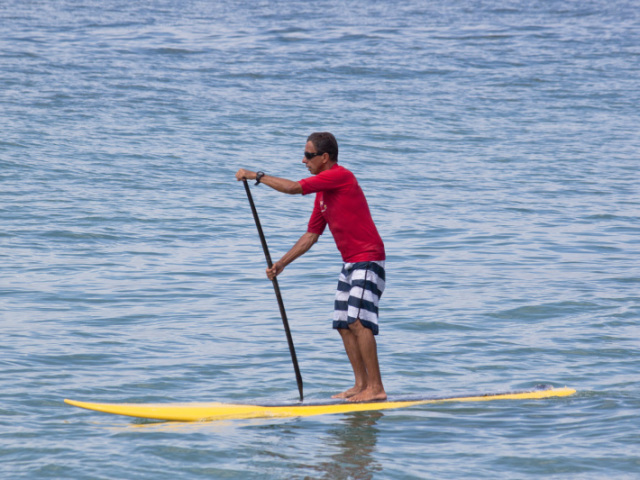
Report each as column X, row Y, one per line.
column 498, row 144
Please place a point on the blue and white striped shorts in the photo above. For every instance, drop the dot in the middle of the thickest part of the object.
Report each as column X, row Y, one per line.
column 360, row 287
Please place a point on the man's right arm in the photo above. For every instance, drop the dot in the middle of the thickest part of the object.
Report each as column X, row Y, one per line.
column 280, row 184
column 302, row 246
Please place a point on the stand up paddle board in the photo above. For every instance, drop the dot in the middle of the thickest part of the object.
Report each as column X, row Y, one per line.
column 192, row 412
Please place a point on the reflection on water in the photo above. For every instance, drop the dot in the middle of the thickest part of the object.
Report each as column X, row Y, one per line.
column 355, row 440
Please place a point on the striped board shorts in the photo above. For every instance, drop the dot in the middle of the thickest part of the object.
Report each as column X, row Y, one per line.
column 360, row 287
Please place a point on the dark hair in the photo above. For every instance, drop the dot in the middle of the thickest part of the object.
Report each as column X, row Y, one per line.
column 325, row 142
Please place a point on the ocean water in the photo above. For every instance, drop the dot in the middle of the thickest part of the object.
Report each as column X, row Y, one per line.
column 497, row 143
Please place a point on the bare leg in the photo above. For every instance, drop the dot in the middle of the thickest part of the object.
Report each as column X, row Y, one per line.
column 360, row 345
column 368, row 351
column 357, row 363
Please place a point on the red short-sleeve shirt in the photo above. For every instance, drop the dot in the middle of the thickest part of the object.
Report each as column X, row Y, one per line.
column 341, row 204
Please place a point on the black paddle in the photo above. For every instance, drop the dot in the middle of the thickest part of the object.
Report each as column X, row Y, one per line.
column 277, row 289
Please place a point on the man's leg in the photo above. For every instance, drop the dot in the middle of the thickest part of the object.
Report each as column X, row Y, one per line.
column 368, row 352
column 358, row 293
column 357, row 363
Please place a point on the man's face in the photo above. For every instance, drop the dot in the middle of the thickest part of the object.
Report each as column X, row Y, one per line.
column 317, row 163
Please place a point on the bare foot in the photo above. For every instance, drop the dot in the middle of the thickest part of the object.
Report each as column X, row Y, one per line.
column 348, row 393
column 368, row 395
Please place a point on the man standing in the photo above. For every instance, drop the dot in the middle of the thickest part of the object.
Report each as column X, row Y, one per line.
column 341, row 204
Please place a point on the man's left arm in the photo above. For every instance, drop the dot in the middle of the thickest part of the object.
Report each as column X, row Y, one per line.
column 280, row 184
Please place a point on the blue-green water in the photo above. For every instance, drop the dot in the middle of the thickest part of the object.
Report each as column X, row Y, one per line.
column 497, row 143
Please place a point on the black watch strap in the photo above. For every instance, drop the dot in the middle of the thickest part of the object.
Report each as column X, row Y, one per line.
column 259, row 176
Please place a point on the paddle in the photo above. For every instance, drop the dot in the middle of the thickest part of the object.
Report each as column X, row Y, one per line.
column 276, row 287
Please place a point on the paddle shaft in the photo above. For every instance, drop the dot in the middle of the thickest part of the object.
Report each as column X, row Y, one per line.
column 276, row 287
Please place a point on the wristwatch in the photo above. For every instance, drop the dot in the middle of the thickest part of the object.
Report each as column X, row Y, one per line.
column 259, row 176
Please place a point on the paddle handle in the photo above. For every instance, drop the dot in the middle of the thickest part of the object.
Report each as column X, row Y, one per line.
column 276, row 288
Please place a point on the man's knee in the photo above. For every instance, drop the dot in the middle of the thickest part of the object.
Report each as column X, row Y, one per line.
column 357, row 327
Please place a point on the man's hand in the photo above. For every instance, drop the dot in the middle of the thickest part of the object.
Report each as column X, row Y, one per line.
column 275, row 270
column 243, row 174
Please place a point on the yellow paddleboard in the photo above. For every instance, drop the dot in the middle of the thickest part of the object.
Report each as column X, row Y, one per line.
column 191, row 412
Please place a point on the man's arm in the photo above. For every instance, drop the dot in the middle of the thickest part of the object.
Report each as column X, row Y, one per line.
column 280, row 184
column 301, row 247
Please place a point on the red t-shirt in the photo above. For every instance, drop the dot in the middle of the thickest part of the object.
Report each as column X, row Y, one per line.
column 341, row 204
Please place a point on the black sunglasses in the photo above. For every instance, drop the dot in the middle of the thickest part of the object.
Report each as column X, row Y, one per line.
column 310, row 155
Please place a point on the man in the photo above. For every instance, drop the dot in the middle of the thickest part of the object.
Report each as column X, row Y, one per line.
column 341, row 204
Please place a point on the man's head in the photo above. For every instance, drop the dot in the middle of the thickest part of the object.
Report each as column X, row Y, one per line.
column 325, row 142
column 320, row 152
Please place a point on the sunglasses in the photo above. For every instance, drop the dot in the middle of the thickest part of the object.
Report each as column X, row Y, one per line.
column 310, row 155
